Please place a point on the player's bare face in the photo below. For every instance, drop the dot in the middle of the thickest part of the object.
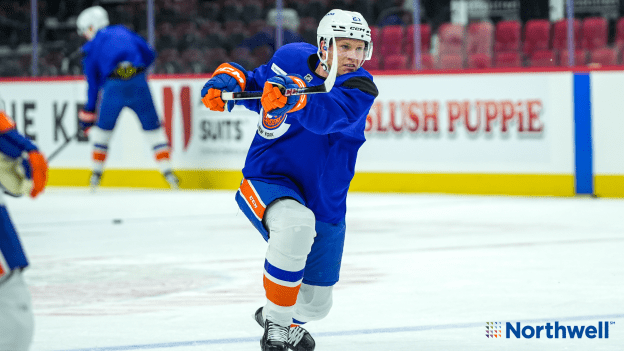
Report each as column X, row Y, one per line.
column 350, row 55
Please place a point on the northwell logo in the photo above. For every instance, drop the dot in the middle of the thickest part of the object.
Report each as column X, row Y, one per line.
column 493, row 329
column 549, row 331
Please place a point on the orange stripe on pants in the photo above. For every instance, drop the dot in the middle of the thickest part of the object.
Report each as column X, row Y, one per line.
column 162, row 155
column 280, row 295
column 250, row 196
column 99, row 156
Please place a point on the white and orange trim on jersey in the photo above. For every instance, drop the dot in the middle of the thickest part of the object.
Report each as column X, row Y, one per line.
column 252, row 199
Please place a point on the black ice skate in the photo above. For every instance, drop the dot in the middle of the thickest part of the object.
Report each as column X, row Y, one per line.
column 274, row 338
column 298, row 338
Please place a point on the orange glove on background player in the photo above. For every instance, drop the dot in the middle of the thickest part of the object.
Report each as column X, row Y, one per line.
column 39, row 168
column 18, row 169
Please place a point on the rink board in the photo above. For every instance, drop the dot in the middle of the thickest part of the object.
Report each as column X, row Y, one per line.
column 607, row 127
column 493, row 133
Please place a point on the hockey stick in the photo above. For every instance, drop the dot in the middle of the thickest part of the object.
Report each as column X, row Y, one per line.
column 68, row 58
column 60, row 148
column 321, row 88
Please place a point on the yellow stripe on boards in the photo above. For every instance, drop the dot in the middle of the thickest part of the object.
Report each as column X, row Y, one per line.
column 189, row 179
column 466, row 183
column 68, row 177
column 609, row 185
column 209, row 179
column 456, row 183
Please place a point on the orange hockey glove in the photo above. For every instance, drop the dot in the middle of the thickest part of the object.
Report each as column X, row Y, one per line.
column 276, row 99
column 229, row 77
column 213, row 100
column 39, row 167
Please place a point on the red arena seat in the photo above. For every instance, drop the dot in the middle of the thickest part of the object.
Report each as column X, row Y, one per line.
column 480, row 38
column 391, row 40
column 395, row 62
column 507, row 37
column 603, row 56
column 451, row 38
column 619, row 35
column 373, row 64
column 375, row 36
column 425, row 40
column 595, row 31
column 426, row 62
column 536, row 36
column 508, row 59
column 479, row 60
column 450, row 61
column 580, row 58
column 560, row 34
column 542, row 58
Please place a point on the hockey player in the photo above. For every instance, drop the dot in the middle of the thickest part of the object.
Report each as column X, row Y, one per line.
column 23, row 170
column 114, row 63
column 299, row 167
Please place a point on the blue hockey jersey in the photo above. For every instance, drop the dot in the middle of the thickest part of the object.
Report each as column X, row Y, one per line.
column 311, row 151
column 111, row 46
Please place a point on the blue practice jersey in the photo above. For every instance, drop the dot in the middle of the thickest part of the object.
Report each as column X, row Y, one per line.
column 111, row 46
column 311, row 151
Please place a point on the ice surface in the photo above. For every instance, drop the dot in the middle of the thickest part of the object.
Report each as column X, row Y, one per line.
column 183, row 271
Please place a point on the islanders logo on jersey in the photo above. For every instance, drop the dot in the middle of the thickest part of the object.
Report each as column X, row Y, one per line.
column 271, row 127
column 272, row 122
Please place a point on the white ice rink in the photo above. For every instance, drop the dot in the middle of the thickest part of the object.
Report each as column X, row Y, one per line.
column 183, row 271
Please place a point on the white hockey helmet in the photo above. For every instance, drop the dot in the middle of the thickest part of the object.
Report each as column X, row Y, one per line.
column 345, row 24
column 91, row 20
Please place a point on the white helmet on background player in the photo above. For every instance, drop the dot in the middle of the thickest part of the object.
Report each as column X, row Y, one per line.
column 91, row 20
column 344, row 24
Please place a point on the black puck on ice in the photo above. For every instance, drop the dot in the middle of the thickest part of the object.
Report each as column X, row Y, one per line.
column 116, row 221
